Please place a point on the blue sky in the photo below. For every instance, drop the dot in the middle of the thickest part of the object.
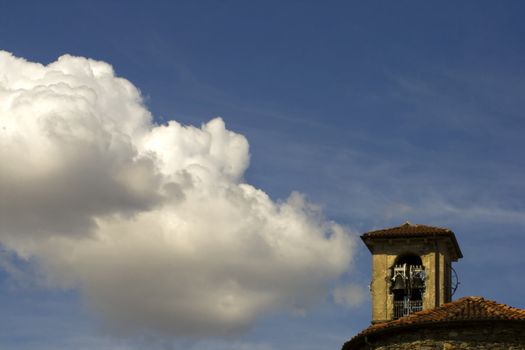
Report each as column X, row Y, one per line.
column 379, row 112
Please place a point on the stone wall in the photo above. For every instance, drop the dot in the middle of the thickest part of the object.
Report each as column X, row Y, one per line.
column 435, row 256
column 476, row 336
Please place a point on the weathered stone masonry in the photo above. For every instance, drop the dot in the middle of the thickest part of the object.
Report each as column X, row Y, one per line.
column 455, row 335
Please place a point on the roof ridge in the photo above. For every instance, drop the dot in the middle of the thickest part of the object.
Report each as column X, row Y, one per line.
column 408, row 223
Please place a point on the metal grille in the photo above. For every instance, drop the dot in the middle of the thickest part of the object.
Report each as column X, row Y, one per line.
column 407, row 307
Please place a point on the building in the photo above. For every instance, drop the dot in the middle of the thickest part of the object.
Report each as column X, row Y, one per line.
column 411, row 290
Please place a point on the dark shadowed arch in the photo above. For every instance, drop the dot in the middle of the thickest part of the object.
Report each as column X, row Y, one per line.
column 409, row 259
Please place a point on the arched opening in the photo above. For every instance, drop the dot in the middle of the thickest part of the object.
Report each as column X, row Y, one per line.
column 407, row 284
column 408, row 258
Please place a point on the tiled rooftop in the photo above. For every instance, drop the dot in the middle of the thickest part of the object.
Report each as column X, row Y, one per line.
column 464, row 309
column 409, row 230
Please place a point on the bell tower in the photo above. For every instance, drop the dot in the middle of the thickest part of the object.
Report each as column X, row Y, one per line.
column 411, row 269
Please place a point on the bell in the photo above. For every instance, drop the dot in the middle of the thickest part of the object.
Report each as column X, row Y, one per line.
column 417, row 282
column 399, row 283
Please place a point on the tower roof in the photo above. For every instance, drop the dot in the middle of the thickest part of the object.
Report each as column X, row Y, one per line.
column 409, row 230
column 467, row 309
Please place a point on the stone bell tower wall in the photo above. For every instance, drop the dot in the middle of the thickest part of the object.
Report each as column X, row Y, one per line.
column 435, row 256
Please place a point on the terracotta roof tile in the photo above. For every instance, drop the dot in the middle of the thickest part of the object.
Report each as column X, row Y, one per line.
column 464, row 309
column 409, row 230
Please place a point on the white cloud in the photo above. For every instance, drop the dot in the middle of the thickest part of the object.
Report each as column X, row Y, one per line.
column 152, row 223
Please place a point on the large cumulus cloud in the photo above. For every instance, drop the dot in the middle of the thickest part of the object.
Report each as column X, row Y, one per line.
column 153, row 224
